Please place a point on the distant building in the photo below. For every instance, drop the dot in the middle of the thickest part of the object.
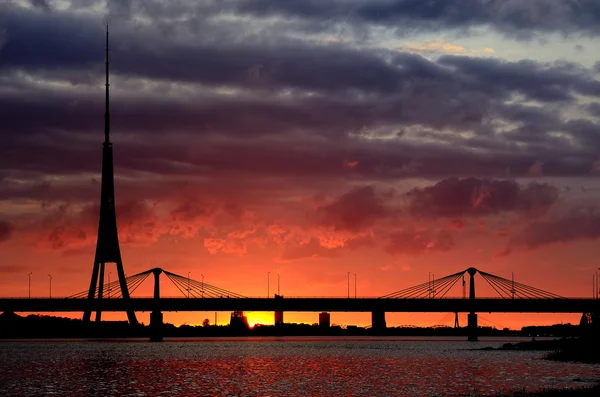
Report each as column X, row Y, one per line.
column 324, row 320
column 238, row 321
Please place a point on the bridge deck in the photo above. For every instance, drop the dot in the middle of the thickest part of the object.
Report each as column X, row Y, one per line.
column 571, row 305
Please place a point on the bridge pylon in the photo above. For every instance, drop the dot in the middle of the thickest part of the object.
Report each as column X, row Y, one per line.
column 156, row 316
column 107, row 244
column 472, row 317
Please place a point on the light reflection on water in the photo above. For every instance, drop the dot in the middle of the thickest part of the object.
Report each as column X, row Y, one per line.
column 276, row 367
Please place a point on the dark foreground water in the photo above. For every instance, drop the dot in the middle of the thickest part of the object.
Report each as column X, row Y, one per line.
column 276, row 367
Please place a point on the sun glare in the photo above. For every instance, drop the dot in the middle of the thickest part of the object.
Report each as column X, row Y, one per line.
column 263, row 318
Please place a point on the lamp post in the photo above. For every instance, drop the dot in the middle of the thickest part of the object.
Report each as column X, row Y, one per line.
column 50, row 290
column 29, row 275
column 202, row 285
column 348, row 285
column 429, row 285
column 268, row 282
column 109, row 286
column 188, row 288
column 513, row 285
column 354, row 285
column 278, row 279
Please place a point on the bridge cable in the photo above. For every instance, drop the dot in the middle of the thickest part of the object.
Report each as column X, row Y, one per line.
column 427, row 289
column 523, row 291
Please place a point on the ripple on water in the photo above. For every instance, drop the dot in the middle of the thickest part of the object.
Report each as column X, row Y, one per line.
column 275, row 368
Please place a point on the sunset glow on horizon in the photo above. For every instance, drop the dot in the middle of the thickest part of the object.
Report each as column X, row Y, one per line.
column 334, row 149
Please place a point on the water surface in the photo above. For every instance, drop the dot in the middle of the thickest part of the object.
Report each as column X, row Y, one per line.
column 277, row 367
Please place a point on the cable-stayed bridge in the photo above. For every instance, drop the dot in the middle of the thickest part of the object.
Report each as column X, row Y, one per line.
column 198, row 296
column 431, row 296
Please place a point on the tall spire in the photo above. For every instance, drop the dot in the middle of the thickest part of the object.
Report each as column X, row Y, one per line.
column 106, row 106
column 107, row 245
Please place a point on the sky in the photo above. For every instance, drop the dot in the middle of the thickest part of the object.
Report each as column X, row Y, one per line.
column 387, row 139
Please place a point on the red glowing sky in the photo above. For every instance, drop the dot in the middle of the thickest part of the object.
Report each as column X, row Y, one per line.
column 250, row 142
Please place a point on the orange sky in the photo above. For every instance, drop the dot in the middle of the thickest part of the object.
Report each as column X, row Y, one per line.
column 301, row 140
column 320, row 272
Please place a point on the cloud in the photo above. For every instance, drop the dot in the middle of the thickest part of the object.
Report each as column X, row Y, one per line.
column 41, row 4
column 594, row 109
column 514, row 18
column 70, row 226
column 538, row 81
column 411, row 242
column 455, row 197
column 354, row 210
column 6, row 231
column 310, row 249
column 433, row 46
column 536, row 169
column 246, row 104
column 438, row 47
column 314, row 108
column 578, row 225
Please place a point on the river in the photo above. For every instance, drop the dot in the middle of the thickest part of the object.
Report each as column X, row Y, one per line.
column 285, row 366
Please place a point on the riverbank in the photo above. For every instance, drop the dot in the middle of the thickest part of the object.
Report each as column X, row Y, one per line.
column 585, row 350
column 593, row 391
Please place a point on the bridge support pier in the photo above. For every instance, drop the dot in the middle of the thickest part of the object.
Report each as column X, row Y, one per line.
column 156, row 325
column 156, row 317
column 472, row 327
column 378, row 323
column 278, row 313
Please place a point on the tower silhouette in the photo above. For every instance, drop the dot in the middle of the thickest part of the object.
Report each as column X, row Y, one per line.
column 107, row 245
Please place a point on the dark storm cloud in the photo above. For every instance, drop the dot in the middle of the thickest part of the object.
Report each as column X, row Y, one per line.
column 456, row 197
column 70, row 42
column 513, row 17
column 36, row 41
column 201, row 98
column 578, row 225
column 585, row 131
column 41, row 4
column 354, row 210
column 537, row 81
column 593, row 109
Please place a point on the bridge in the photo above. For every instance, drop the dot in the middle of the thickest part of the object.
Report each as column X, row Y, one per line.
column 198, row 296
column 432, row 296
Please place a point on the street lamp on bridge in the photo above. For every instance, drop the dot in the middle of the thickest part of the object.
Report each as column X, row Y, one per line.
column 202, row 293
column 268, row 282
column 188, row 287
column 597, row 287
column 109, row 286
column 50, row 290
column 348, row 285
column 29, row 275
column 354, row 285
column 278, row 284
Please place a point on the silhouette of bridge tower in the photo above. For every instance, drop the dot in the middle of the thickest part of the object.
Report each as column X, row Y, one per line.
column 107, row 245
column 437, row 289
